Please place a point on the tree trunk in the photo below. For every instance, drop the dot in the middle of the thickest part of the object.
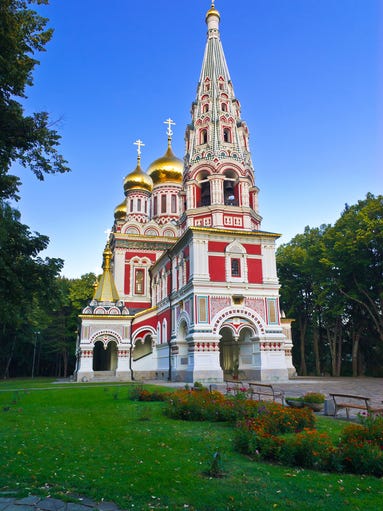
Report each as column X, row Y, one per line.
column 331, row 337
column 316, row 351
column 339, row 354
column 355, row 353
column 9, row 358
column 302, row 335
column 65, row 362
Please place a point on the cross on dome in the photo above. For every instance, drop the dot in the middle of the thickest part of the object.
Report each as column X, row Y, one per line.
column 170, row 123
column 139, row 143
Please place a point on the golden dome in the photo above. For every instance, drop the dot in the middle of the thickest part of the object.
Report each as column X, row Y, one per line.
column 138, row 180
column 168, row 168
column 213, row 11
column 120, row 211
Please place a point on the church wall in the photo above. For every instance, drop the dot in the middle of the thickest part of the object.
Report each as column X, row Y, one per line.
column 254, row 269
column 217, row 268
column 252, row 249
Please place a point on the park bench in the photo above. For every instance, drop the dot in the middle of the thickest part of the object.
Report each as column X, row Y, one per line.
column 265, row 391
column 233, row 386
column 347, row 401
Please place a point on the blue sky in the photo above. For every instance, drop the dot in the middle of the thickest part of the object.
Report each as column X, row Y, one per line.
column 308, row 74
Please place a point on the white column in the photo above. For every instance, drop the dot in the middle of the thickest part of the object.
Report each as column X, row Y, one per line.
column 199, row 267
column 119, row 270
column 269, row 267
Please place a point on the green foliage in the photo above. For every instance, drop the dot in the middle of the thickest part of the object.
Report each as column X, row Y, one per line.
column 332, row 285
column 28, row 284
column 27, row 139
column 314, row 397
column 27, row 287
column 308, row 449
column 358, row 450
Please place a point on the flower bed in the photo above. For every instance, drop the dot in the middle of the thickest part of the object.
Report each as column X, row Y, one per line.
column 359, row 450
column 214, row 406
column 270, row 431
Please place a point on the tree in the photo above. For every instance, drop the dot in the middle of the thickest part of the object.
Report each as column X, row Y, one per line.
column 28, row 139
column 297, row 264
column 25, row 281
column 332, row 285
column 59, row 337
column 354, row 256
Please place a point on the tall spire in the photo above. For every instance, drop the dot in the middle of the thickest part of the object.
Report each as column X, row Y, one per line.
column 216, row 112
column 218, row 167
column 106, row 290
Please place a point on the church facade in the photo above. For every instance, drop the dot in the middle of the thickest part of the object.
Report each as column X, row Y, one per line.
column 189, row 289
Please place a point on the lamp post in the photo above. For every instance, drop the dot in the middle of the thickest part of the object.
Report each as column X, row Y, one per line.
column 34, row 353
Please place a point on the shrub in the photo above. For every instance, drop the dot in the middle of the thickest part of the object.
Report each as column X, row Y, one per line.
column 314, row 397
column 138, row 393
column 361, row 446
column 308, row 449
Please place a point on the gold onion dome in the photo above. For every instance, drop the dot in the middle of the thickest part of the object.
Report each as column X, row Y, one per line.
column 120, row 211
column 211, row 11
column 168, row 168
column 138, row 180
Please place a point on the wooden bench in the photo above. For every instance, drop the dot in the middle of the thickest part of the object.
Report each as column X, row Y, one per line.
column 347, row 401
column 265, row 391
column 233, row 386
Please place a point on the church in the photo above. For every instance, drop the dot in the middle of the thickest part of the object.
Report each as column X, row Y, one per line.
column 189, row 290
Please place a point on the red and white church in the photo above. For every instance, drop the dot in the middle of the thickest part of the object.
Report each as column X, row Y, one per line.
column 189, row 289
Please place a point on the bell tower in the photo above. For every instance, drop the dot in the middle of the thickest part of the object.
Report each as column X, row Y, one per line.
column 219, row 176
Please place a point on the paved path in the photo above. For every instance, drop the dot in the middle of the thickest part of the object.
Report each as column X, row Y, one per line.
column 34, row 503
column 369, row 387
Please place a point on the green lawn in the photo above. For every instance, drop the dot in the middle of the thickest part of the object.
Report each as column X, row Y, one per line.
column 93, row 441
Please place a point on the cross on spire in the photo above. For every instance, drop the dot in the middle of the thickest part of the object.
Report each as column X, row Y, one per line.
column 108, row 232
column 170, row 123
column 139, row 143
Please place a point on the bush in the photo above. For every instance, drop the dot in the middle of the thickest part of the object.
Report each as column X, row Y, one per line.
column 361, row 446
column 138, row 393
column 308, row 449
column 314, row 397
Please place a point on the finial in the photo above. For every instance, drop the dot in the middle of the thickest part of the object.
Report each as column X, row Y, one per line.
column 169, row 131
column 139, row 143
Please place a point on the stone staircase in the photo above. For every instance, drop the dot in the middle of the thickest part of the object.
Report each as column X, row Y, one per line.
column 104, row 376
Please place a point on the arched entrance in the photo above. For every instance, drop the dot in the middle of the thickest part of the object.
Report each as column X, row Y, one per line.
column 236, row 349
column 228, row 352
column 105, row 357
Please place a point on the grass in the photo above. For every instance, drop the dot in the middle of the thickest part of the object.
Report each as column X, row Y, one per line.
column 93, row 441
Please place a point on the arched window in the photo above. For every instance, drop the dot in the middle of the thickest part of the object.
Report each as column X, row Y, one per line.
column 227, row 135
column 224, row 107
column 203, row 136
column 235, row 267
column 163, row 203
column 205, row 193
column 139, row 281
column 155, row 208
column 173, row 205
column 164, row 331
column 205, row 108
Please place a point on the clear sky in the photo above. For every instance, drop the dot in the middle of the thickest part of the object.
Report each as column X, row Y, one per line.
column 308, row 74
